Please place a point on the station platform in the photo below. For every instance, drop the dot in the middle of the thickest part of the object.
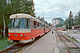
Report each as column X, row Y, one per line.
column 46, row 44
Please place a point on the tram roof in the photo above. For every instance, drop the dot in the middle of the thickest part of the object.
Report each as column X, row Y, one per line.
column 20, row 15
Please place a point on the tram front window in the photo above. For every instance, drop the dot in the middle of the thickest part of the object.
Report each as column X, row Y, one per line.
column 17, row 23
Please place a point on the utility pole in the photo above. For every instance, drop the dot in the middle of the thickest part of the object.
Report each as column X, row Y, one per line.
column 43, row 21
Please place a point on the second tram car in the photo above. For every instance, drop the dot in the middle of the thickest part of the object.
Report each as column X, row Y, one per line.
column 24, row 28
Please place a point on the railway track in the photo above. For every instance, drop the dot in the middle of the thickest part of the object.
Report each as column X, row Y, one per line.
column 67, row 42
column 17, row 47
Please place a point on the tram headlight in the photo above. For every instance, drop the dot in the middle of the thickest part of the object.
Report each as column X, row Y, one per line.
column 8, row 34
column 21, row 35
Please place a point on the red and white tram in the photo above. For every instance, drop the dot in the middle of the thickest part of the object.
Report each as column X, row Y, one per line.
column 24, row 28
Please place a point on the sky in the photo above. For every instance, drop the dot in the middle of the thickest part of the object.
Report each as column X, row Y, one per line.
column 56, row 8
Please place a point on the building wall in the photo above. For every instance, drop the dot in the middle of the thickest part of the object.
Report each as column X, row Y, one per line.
column 55, row 22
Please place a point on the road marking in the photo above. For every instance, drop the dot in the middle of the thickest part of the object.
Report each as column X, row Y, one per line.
column 56, row 50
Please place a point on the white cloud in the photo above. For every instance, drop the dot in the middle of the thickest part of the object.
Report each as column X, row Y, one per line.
column 57, row 8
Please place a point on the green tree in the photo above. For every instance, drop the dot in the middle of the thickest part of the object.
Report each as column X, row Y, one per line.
column 76, row 20
column 69, row 23
column 9, row 7
column 22, row 6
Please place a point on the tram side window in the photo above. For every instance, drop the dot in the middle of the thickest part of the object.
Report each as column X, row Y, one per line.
column 42, row 25
column 38, row 24
column 10, row 23
column 28, row 23
column 35, row 24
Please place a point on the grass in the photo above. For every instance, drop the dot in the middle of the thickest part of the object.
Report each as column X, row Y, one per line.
column 78, row 49
column 4, row 43
column 70, row 48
